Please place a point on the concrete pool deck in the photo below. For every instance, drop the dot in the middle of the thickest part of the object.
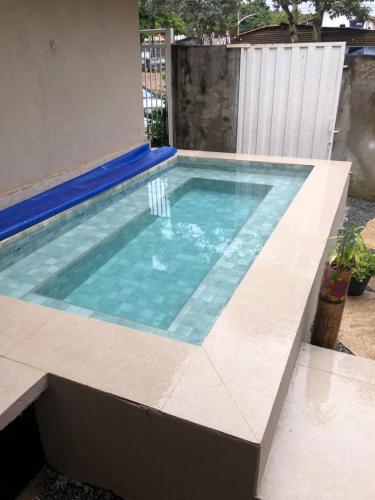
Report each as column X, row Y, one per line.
column 324, row 442
column 232, row 385
column 20, row 386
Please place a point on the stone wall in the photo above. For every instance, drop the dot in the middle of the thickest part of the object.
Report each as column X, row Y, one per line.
column 205, row 92
column 356, row 120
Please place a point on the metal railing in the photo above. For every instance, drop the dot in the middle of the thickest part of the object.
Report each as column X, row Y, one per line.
column 157, row 84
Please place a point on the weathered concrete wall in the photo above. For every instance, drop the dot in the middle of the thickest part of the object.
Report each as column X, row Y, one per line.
column 356, row 119
column 205, row 91
column 70, row 88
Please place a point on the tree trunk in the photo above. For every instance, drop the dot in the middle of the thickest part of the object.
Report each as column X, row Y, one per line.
column 293, row 31
column 317, row 28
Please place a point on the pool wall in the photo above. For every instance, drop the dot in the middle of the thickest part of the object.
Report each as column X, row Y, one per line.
column 128, row 395
column 137, row 452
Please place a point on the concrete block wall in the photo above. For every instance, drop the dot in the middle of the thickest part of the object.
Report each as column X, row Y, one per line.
column 356, row 121
column 205, row 96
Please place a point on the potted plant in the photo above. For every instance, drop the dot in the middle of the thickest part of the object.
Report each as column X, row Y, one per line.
column 346, row 253
column 363, row 271
column 348, row 248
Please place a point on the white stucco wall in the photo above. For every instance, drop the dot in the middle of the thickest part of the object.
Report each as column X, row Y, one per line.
column 70, row 87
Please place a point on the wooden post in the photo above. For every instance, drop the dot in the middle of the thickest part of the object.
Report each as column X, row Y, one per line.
column 331, row 304
column 327, row 324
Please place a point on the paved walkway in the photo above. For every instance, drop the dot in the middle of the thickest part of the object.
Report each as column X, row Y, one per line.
column 324, row 444
column 357, row 331
column 369, row 234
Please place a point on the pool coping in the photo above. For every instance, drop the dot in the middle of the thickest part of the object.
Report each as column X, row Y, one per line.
column 234, row 382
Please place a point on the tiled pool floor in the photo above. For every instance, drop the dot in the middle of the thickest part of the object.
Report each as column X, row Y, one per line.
column 218, row 225
column 150, row 267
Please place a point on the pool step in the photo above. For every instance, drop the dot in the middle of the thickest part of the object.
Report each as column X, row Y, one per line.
column 20, row 386
column 324, row 443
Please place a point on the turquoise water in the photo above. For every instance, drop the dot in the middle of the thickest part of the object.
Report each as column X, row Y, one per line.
column 149, row 269
column 165, row 256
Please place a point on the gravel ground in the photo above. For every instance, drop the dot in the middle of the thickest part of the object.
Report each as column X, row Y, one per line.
column 341, row 348
column 358, row 212
column 49, row 485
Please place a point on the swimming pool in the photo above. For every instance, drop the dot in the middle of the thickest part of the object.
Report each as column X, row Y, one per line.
column 163, row 254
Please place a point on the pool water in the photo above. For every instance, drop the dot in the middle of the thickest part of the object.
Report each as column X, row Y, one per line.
column 163, row 256
column 150, row 268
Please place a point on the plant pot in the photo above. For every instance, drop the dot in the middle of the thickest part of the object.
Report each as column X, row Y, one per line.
column 333, row 291
column 334, row 285
column 356, row 288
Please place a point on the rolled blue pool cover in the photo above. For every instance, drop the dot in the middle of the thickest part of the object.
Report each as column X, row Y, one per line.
column 72, row 192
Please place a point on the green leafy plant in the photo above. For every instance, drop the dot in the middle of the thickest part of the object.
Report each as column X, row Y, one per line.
column 157, row 130
column 348, row 248
column 365, row 266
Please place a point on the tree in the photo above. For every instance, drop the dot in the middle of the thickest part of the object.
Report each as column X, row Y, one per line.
column 290, row 9
column 349, row 8
column 204, row 16
column 257, row 10
column 278, row 16
column 197, row 16
column 159, row 14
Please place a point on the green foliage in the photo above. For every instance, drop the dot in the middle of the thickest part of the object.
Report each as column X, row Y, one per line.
column 157, row 128
column 159, row 14
column 259, row 7
column 365, row 266
column 279, row 16
column 353, row 9
column 195, row 17
column 205, row 16
column 348, row 248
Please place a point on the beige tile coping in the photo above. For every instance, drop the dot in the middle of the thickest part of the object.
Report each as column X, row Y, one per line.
column 20, row 385
column 235, row 381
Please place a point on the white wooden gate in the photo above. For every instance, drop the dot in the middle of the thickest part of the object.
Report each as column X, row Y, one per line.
column 288, row 99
